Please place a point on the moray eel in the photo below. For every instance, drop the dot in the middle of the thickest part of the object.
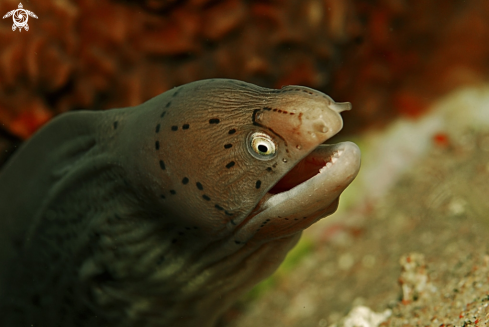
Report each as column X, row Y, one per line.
column 163, row 214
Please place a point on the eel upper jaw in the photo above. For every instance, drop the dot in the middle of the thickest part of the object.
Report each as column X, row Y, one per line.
column 308, row 192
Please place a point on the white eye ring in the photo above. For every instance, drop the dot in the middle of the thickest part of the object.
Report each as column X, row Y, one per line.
column 261, row 146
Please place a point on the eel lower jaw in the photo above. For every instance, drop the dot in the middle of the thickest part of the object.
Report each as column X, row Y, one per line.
column 308, row 192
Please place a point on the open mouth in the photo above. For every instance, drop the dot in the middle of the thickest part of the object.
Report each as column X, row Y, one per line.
column 308, row 192
column 319, row 161
column 321, row 176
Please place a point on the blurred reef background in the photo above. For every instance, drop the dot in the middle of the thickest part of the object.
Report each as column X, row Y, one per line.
column 390, row 58
column 417, row 74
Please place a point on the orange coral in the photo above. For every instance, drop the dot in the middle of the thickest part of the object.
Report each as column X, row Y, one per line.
column 386, row 57
column 102, row 54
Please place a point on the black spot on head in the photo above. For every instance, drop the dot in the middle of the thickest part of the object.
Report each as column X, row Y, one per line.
column 157, row 145
column 232, row 131
column 174, row 128
column 269, row 168
column 199, row 186
column 173, row 192
column 296, row 218
column 229, row 165
column 162, row 196
column 214, row 121
column 218, row 207
column 163, row 114
column 185, row 180
column 258, row 184
column 237, row 242
column 162, row 164
column 206, row 197
column 227, row 146
column 157, row 128
column 185, row 126
column 168, row 104
column 267, row 108
column 115, row 124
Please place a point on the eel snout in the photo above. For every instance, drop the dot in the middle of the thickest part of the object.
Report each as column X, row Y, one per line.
column 308, row 192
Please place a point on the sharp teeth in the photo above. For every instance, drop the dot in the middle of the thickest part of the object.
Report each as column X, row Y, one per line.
column 336, row 155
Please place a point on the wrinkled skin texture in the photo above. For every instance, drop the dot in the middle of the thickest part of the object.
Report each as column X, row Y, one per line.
column 165, row 213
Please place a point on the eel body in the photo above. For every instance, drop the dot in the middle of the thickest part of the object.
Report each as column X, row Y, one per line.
column 165, row 213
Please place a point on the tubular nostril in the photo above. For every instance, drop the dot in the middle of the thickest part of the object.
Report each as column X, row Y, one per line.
column 340, row 106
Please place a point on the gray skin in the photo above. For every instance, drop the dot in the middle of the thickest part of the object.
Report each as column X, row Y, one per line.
column 165, row 213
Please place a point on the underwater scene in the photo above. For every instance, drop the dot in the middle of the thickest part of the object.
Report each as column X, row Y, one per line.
column 244, row 163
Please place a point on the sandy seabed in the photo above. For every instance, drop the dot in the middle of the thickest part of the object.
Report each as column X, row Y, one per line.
column 414, row 245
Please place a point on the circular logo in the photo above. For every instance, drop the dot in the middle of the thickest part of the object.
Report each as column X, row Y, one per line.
column 20, row 17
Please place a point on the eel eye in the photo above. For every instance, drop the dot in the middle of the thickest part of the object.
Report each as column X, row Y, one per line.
column 261, row 146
